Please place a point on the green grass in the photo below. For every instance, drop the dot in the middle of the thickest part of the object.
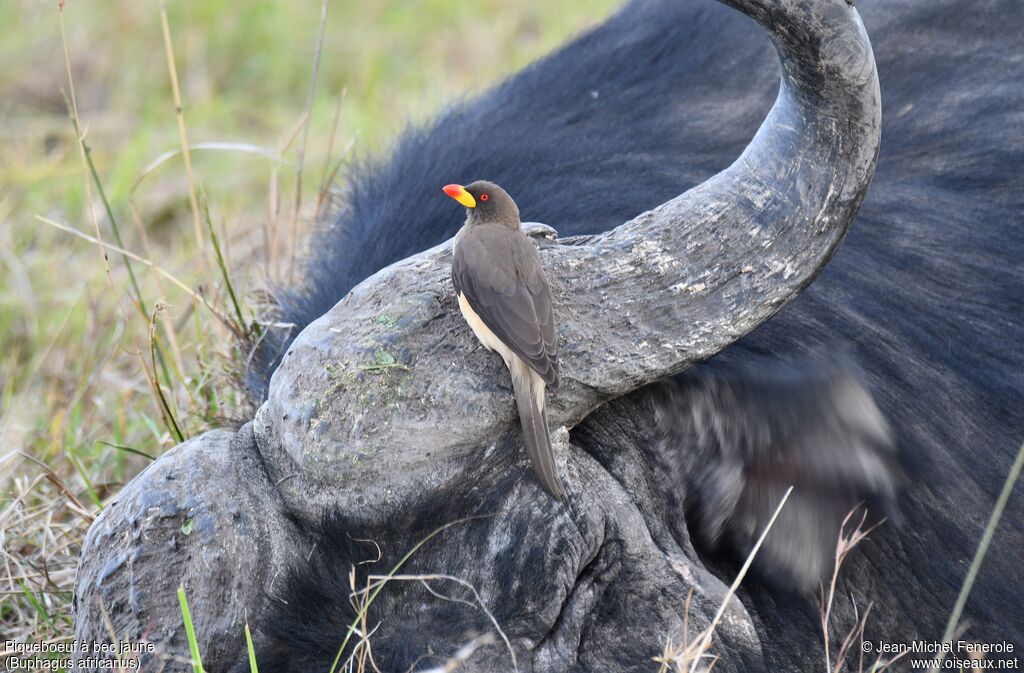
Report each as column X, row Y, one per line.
column 86, row 397
column 190, row 632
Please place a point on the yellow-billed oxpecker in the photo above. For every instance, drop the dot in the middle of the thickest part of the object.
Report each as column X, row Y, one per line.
column 506, row 300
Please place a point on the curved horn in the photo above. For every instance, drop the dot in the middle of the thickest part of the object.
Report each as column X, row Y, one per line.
column 681, row 282
column 363, row 390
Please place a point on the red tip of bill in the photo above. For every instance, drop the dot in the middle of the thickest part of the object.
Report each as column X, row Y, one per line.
column 459, row 193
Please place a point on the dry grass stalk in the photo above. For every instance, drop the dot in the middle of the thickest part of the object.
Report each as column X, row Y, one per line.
column 693, row 656
column 179, row 113
column 844, row 545
column 301, row 158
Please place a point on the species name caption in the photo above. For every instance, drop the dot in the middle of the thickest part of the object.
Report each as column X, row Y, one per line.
column 78, row 654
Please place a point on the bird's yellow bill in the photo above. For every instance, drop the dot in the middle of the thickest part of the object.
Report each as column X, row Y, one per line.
column 459, row 193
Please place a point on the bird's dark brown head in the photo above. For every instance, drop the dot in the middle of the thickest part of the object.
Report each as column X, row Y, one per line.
column 486, row 202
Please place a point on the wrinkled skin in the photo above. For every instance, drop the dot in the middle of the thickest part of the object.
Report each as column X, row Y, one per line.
column 925, row 296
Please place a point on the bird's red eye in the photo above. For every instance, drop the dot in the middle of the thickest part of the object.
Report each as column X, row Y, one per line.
column 484, row 197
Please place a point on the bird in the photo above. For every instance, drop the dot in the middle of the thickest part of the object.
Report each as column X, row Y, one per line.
column 504, row 296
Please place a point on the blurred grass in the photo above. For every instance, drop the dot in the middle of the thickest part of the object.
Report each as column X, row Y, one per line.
column 77, row 409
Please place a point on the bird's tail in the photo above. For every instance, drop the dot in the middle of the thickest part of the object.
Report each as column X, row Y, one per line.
column 529, row 390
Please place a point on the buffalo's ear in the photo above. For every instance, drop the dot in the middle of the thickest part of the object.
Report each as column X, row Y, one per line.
column 749, row 436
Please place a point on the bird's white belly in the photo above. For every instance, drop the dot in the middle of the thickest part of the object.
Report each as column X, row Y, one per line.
column 482, row 331
column 491, row 341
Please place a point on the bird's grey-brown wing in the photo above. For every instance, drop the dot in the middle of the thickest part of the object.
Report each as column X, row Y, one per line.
column 500, row 275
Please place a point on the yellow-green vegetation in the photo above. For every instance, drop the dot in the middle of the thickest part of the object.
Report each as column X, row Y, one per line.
column 97, row 378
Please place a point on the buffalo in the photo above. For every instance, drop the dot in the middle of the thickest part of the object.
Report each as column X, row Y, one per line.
column 725, row 333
